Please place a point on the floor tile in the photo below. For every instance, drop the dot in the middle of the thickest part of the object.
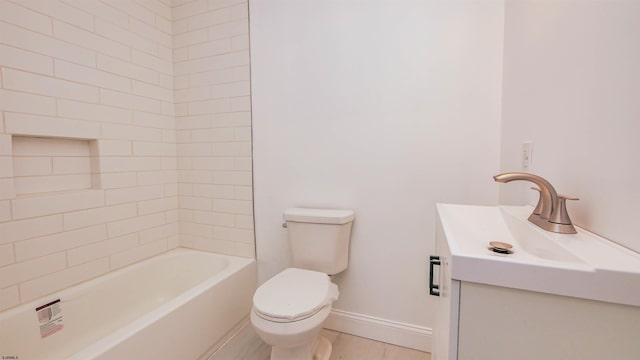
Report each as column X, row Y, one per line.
column 246, row 345
column 349, row 347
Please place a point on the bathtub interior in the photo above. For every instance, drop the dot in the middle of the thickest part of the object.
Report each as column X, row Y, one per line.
column 111, row 303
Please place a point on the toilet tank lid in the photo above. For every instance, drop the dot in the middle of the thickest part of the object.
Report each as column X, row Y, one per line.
column 318, row 216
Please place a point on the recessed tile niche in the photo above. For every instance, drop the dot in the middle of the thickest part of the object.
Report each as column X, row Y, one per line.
column 49, row 164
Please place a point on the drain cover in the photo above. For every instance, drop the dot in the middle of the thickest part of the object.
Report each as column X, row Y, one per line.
column 500, row 247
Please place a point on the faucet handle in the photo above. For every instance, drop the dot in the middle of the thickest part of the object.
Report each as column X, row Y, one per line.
column 561, row 216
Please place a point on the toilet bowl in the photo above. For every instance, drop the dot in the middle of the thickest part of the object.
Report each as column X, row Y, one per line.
column 289, row 311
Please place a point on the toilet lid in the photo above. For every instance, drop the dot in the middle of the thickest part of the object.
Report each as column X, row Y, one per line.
column 294, row 294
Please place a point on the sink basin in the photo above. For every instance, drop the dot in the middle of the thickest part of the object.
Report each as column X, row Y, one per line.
column 581, row 265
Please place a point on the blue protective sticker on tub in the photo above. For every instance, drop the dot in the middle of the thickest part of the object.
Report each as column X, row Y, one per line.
column 50, row 318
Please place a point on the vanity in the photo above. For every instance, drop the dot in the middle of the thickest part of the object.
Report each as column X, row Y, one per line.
column 550, row 296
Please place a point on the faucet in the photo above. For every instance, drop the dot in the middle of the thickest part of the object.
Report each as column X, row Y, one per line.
column 551, row 212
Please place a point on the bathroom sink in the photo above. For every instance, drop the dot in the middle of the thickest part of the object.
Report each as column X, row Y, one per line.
column 581, row 265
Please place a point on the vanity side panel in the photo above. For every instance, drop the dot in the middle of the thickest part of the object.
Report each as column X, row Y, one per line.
column 447, row 306
column 505, row 324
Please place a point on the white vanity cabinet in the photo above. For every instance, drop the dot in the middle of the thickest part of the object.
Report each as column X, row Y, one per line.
column 477, row 321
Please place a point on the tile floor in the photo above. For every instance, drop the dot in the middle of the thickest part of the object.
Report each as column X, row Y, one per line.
column 246, row 345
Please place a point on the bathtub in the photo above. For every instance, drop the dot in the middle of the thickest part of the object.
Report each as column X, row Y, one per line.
column 178, row 305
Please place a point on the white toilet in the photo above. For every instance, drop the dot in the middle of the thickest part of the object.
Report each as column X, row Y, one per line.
column 290, row 308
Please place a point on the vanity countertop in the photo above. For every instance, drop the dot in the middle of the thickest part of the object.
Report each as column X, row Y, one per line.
column 582, row 265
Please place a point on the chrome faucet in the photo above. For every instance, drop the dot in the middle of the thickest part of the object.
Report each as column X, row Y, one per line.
column 551, row 211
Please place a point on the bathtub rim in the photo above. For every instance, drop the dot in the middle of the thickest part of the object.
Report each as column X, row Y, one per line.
column 78, row 288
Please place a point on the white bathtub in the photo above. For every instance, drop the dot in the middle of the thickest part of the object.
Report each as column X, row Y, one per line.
column 177, row 305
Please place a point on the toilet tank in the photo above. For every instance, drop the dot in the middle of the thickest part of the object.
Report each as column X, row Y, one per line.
column 319, row 238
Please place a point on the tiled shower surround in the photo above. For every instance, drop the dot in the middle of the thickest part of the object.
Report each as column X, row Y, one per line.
column 124, row 132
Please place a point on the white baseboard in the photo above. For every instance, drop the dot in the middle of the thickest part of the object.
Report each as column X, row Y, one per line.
column 392, row 332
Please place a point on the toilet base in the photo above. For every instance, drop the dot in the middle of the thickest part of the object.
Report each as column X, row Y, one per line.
column 323, row 349
column 320, row 349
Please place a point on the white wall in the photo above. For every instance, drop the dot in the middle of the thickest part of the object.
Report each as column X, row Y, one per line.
column 571, row 85
column 384, row 107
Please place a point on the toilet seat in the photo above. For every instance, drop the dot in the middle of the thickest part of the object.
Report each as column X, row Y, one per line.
column 294, row 294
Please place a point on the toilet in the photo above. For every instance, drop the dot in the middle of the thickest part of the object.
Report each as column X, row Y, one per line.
column 290, row 308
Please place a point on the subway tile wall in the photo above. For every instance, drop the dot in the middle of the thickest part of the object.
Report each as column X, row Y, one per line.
column 168, row 165
column 42, row 165
column 213, row 125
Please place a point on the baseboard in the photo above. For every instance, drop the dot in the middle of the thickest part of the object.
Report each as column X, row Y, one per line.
column 392, row 332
